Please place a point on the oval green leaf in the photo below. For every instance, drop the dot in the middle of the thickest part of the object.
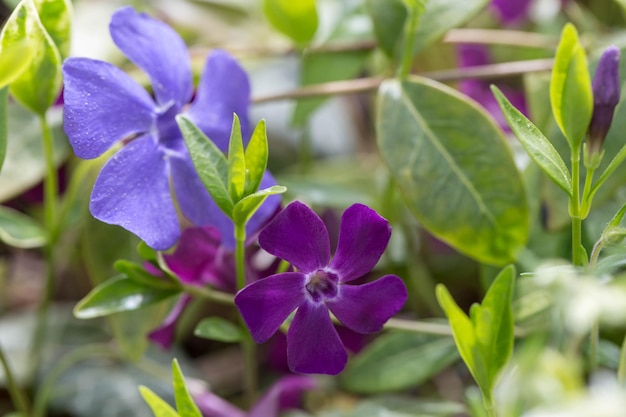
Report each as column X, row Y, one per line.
column 256, row 156
column 217, row 328
column 119, row 294
column 19, row 230
column 247, row 206
column 454, row 168
column 18, row 44
column 56, row 17
column 184, row 402
column 296, row 19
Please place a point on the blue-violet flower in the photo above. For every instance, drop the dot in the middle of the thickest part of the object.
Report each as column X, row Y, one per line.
column 105, row 106
column 299, row 236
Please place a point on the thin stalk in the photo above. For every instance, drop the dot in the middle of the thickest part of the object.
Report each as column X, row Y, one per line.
column 410, row 32
column 210, row 294
column 418, row 326
column 574, row 209
column 17, row 396
column 621, row 369
column 586, row 197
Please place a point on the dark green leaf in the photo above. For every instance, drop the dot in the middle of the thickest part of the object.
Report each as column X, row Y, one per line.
column 217, row 328
column 158, row 406
column 296, row 19
column 19, row 230
column 55, row 15
column 146, row 252
column 210, row 162
column 139, row 275
column 397, row 361
column 119, row 294
column 256, row 158
column 570, row 88
column 388, row 17
column 536, row 144
column 236, row 162
column 246, row 207
column 454, row 168
column 184, row 402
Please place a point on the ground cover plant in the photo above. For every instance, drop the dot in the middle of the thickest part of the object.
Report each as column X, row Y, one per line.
column 312, row 208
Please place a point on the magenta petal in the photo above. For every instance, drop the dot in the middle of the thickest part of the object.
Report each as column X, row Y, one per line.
column 365, row 308
column 224, row 89
column 133, row 191
column 165, row 333
column 298, row 236
column 158, row 50
column 281, row 395
column 313, row 346
column 363, row 238
column 210, row 405
column 265, row 304
column 103, row 105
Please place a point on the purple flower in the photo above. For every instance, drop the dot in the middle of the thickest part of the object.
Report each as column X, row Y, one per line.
column 606, row 92
column 281, row 396
column 104, row 106
column 299, row 236
column 511, row 11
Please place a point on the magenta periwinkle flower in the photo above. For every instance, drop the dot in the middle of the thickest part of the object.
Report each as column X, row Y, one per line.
column 104, row 106
column 320, row 285
column 606, row 93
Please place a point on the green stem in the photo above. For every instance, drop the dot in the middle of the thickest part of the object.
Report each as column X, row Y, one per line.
column 586, row 197
column 594, row 340
column 418, row 326
column 621, row 369
column 210, row 294
column 77, row 355
column 17, row 396
column 410, row 32
column 574, row 210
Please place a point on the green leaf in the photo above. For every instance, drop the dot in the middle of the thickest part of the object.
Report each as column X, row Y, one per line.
column 397, row 361
column 118, row 294
column 216, row 328
column 236, row 162
column 453, row 167
column 296, row 19
column 38, row 86
column 19, row 230
column 570, row 88
column 210, row 163
column 246, row 207
column 256, row 158
column 388, row 17
column 18, row 43
column 146, row 252
column 158, row 406
column 4, row 122
column 184, row 402
column 139, row 275
column 56, row 17
column 535, row 143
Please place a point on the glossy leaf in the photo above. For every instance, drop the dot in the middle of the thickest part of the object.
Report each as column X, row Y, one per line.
column 119, row 294
column 184, row 402
column 4, row 124
column 570, row 88
column 210, row 163
column 56, row 17
column 256, row 158
column 158, row 406
column 296, row 19
column 217, row 328
column 453, row 167
column 247, row 206
column 39, row 85
column 398, row 361
column 19, row 230
column 138, row 274
column 18, row 43
column 535, row 143
column 236, row 162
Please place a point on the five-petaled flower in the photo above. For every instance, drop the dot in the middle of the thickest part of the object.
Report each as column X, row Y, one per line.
column 105, row 106
column 299, row 236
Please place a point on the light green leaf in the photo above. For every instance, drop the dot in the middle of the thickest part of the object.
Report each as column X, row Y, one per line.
column 118, row 294
column 4, row 124
column 236, row 162
column 256, row 158
column 535, row 143
column 184, row 402
column 19, row 230
column 138, row 274
column 56, row 17
column 453, row 167
column 296, row 19
column 158, row 406
column 18, row 43
column 210, row 163
column 216, row 328
column 570, row 88
column 38, row 86
column 398, row 361
column 246, row 207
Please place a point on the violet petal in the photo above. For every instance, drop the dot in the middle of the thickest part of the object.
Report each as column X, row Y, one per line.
column 363, row 237
column 280, row 396
column 265, row 304
column 224, row 89
column 103, row 105
column 158, row 50
column 365, row 308
column 164, row 334
column 298, row 236
column 313, row 346
column 211, row 405
column 133, row 191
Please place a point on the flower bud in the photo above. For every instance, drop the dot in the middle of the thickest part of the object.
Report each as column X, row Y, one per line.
column 606, row 93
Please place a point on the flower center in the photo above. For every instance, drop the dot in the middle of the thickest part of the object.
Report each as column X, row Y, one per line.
column 322, row 285
column 167, row 128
